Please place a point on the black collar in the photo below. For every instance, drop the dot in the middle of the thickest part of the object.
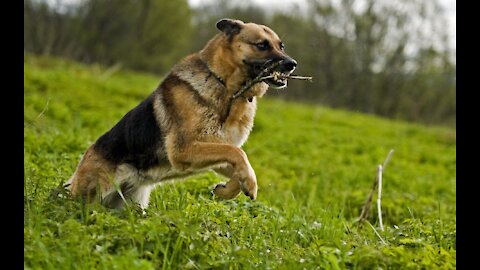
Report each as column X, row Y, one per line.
column 211, row 73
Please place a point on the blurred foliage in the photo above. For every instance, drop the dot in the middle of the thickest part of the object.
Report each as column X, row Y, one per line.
column 390, row 58
column 140, row 35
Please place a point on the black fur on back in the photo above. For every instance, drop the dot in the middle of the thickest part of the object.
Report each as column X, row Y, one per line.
column 135, row 139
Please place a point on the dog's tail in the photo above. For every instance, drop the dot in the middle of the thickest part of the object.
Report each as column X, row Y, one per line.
column 68, row 183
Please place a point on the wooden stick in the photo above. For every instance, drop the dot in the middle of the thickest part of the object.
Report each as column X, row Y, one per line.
column 260, row 78
column 294, row 77
column 375, row 231
column 248, row 84
column 297, row 77
column 387, row 159
column 366, row 205
column 379, row 196
column 368, row 201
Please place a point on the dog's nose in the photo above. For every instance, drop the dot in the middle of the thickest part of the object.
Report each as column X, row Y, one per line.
column 289, row 64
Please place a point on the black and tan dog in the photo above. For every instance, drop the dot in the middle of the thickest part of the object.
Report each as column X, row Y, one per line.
column 182, row 127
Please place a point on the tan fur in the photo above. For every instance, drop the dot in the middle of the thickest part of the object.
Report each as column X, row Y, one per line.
column 94, row 172
column 195, row 138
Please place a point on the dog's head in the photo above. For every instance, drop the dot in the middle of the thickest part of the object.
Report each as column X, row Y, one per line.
column 256, row 47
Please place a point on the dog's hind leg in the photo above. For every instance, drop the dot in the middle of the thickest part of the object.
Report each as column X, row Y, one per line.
column 129, row 187
column 142, row 195
column 128, row 193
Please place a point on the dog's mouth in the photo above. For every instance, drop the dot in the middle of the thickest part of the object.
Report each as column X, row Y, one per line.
column 278, row 79
column 275, row 77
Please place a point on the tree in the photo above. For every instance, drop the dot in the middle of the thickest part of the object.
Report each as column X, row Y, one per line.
column 143, row 35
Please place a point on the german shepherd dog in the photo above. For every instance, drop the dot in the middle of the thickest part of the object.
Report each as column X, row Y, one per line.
column 182, row 127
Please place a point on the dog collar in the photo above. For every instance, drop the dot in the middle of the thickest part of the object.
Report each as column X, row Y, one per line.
column 211, row 73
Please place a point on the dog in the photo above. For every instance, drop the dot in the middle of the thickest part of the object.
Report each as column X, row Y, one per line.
column 183, row 127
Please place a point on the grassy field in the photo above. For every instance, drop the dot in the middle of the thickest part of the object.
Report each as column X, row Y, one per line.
column 315, row 168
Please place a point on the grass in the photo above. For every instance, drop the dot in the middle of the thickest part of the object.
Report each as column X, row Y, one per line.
column 315, row 168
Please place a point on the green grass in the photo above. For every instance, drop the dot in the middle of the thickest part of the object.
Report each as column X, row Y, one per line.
column 315, row 167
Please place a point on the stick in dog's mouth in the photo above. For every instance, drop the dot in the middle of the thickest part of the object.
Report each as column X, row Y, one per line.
column 267, row 74
column 278, row 79
column 279, row 76
column 270, row 75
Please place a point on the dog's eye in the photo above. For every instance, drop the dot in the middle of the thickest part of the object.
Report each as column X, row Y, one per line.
column 282, row 46
column 263, row 46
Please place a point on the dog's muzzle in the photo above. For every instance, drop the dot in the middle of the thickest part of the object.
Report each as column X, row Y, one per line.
column 277, row 78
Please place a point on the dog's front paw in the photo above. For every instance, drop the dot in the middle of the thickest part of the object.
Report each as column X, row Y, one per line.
column 227, row 191
column 218, row 190
column 248, row 182
column 249, row 188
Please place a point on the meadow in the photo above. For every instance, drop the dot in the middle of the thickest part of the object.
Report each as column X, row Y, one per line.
column 315, row 166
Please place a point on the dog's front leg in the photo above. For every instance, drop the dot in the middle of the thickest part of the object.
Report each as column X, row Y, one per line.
column 200, row 155
column 229, row 190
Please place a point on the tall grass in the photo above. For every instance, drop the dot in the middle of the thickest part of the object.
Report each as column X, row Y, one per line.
column 314, row 165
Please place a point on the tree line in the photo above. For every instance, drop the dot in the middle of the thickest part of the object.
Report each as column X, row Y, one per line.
column 390, row 58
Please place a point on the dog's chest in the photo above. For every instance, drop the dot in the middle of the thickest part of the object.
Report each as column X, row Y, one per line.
column 239, row 124
column 236, row 135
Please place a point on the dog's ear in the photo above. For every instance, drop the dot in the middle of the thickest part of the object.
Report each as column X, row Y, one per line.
column 229, row 27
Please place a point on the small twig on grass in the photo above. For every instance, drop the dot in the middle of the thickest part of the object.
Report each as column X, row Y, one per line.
column 110, row 71
column 377, row 181
column 387, row 159
column 368, row 202
column 379, row 196
column 119, row 191
column 44, row 110
column 32, row 123
column 373, row 228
